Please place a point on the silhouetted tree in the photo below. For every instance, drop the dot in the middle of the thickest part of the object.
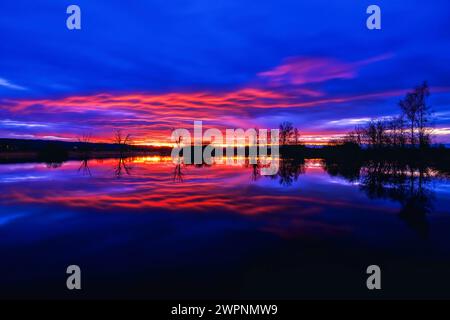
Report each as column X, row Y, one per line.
column 289, row 134
column 417, row 112
column 296, row 136
column 424, row 115
column 415, row 119
column 376, row 133
column 85, row 148
column 286, row 132
column 396, row 131
column 122, row 140
column 356, row 136
column 85, row 138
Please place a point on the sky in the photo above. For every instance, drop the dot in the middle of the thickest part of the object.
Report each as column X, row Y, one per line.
column 148, row 67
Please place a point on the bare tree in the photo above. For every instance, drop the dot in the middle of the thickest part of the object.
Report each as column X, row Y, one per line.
column 396, row 132
column 412, row 126
column 418, row 114
column 85, row 138
column 296, row 136
column 85, row 141
column 286, row 132
column 85, row 148
column 122, row 140
column 375, row 133
column 424, row 114
column 409, row 109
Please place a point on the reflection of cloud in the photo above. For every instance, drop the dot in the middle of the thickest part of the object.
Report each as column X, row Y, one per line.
column 301, row 226
column 288, row 212
column 151, row 186
column 7, row 218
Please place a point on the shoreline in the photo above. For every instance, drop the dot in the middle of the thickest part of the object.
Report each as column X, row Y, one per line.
column 32, row 156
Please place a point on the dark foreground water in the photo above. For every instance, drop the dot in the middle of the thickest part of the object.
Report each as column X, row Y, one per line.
column 143, row 228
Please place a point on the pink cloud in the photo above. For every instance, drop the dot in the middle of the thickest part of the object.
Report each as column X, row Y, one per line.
column 150, row 117
column 306, row 70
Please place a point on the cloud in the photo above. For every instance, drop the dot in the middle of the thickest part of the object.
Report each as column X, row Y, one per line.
column 150, row 116
column 308, row 70
column 349, row 121
column 7, row 84
column 15, row 124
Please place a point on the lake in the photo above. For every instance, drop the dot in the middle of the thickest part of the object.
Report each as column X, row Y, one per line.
column 145, row 228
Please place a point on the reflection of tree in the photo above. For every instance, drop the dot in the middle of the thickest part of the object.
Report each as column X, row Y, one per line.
column 400, row 182
column 255, row 167
column 178, row 173
column 122, row 167
column 256, row 171
column 348, row 169
column 405, row 184
column 289, row 171
column 84, row 167
column 53, row 165
column 414, row 210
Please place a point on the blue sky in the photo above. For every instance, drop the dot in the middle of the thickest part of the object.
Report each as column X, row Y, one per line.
column 328, row 68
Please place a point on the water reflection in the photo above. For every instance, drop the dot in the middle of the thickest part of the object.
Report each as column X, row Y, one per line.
column 148, row 183
column 159, row 218
column 84, row 167
column 410, row 186
column 123, row 166
column 53, row 165
column 289, row 171
column 178, row 173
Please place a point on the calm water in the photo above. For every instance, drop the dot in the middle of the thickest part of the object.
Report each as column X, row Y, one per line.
column 145, row 228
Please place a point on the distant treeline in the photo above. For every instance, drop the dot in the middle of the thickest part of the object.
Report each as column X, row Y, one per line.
column 405, row 139
column 411, row 128
column 406, row 136
column 51, row 147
